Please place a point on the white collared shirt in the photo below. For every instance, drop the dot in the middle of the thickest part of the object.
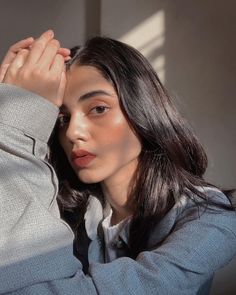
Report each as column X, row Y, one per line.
column 111, row 232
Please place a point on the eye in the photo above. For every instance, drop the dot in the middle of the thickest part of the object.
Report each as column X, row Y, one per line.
column 99, row 110
column 63, row 120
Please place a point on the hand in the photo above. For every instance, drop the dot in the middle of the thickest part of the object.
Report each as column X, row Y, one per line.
column 11, row 54
column 40, row 68
column 24, row 44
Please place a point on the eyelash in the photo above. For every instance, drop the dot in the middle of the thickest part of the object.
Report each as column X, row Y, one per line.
column 64, row 119
column 102, row 108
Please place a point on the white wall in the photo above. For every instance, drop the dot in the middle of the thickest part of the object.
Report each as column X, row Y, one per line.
column 20, row 19
column 195, row 40
column 191, row 45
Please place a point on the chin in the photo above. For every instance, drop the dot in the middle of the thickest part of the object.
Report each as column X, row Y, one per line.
column 88, row 177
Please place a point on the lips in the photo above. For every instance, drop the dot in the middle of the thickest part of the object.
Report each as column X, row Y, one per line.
column 81, row 158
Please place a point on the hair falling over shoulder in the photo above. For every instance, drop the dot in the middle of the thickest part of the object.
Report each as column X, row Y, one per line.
column 172, row 161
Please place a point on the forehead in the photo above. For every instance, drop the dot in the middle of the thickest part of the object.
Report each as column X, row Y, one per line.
column 84, row 75
column 84, row 80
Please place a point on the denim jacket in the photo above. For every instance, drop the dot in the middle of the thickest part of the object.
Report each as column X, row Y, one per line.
column 183, row 244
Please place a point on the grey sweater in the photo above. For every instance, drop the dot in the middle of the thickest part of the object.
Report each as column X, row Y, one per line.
column 36, row 246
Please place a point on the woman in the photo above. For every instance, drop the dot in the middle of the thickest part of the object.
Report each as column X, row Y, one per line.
column 129, row 167
column 130, row 174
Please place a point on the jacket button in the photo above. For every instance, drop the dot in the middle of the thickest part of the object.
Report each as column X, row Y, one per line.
column 119, row 244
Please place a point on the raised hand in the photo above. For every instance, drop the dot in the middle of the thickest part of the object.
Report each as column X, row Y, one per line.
column 11, row 54
column 39, row 68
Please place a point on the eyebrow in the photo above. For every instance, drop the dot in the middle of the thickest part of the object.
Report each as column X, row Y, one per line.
column 93, row 94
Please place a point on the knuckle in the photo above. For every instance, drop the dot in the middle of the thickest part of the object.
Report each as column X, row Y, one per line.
column 36, row 72
column 24, row 73
column 54, row 79
column 48, row 80
column 23, row 52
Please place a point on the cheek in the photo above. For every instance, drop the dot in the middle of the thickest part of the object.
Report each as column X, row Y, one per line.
column 118, row 137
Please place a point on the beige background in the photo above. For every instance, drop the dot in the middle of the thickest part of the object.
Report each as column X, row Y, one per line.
column 192, row 46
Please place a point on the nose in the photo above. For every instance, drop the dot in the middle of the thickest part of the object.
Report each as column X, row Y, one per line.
column 77, row 129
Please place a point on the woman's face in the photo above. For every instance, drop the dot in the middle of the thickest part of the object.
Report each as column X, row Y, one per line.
column 94, row 133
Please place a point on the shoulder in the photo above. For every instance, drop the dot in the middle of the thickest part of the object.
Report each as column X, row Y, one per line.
column 192, row 215
column 204, row 200
column 211, row 208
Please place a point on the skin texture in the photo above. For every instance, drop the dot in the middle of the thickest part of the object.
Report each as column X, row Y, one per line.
column 93, row 121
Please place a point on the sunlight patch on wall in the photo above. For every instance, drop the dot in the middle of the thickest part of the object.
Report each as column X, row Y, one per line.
column 149, row 37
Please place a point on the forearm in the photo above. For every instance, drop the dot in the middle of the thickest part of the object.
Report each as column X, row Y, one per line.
column 34, row 242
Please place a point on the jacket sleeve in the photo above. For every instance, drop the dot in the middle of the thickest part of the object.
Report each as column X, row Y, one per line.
column 36, row 246
column 185, row 261
column 34, row 242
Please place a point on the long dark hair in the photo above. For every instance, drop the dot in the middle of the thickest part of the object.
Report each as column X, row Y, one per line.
column 171, row 163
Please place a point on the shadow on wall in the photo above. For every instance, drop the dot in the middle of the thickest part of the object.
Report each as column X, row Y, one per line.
column 192, row 47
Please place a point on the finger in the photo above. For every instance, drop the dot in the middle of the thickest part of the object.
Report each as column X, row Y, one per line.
column 19, row 60
column 47, row 58
column 16, row 64
column 64, row 51
column 38, row 47
column 61, row 89
column 67, row 58
column 57, row 66
column 3, row 70
column 15, row 48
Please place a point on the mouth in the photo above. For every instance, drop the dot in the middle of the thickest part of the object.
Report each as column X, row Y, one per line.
column 81, row 158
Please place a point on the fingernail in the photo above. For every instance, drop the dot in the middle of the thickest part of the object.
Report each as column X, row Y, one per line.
column 49, row 33
column 66, row 50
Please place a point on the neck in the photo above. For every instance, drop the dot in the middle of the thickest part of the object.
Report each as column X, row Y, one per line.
column 115, row 190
